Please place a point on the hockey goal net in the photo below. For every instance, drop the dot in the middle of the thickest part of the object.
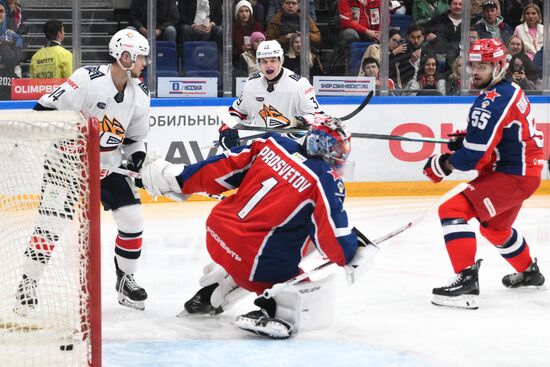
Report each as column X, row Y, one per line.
column 50, row 302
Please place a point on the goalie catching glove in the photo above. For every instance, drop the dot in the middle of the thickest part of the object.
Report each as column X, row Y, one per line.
column 159, row 177
column 363, row 260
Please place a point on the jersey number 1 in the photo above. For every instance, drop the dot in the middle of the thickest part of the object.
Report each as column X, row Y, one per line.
column 267, row 186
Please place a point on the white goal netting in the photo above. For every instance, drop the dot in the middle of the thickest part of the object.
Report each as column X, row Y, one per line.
column 45, row 221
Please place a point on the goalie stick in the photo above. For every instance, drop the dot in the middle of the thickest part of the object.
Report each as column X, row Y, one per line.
column 269, row 293
column 133, row 174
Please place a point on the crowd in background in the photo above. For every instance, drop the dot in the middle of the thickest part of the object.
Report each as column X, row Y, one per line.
column 424, row 60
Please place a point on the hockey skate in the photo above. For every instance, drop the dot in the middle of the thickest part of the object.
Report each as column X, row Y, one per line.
column 26, row 298
column 259, row 322
column 530, row 278
column 130, row 294
column 199, row 304
column 462, row 291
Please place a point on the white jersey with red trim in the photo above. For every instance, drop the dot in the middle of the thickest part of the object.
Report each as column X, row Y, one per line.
column 123, row 117
column 276, row 106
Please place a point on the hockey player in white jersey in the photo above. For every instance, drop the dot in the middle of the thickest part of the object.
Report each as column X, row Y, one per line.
column 113, row 94
column 276, row 97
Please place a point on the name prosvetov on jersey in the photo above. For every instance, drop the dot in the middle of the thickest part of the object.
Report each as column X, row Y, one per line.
column 284, row 170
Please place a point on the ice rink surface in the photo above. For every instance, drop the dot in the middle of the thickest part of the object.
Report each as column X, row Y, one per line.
column 386, row 319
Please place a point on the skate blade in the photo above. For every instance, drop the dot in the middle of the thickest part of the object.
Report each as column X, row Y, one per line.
column 468, row 301
column 186, row 314
column 529, row 288
column 23, row 310
column 127, row 302
column 272, row 329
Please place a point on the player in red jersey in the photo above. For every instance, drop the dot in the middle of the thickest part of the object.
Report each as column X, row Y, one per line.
column 288, row 194
column 503, row 145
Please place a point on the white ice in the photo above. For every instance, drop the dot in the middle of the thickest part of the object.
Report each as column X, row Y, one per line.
column 386, row 319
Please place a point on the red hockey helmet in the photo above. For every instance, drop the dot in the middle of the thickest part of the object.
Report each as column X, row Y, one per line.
column 490, row 50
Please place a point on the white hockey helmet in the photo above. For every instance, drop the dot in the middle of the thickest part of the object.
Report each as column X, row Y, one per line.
column 269, row 49
column 127, row 40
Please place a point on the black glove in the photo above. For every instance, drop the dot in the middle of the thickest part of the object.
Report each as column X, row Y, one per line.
column 456, row 141
column 229, row 138
column 134, row 164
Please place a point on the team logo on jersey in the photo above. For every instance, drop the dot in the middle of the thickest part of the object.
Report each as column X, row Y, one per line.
column 272, row 117
column 94, row 72
column 484, row 104
column 491, row 94
column 112, row 134
column 260, row 99
column 101, row 105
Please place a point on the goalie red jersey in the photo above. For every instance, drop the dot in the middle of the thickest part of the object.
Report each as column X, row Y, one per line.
column 258, row 234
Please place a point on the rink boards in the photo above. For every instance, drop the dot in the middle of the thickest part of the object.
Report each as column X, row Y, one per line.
column 183, row 130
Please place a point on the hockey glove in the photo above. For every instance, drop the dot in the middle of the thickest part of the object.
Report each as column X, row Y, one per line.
column 134, row 164
column 457, row 139
column 229, row 138
column 436, row 167
column 363, row 259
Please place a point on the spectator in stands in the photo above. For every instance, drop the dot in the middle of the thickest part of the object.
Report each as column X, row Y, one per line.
column 243, row 26
column 427, row 82
column 201, row 20
column 359, row 21
column 404, row 66
column 515, row 46
column 11, row 50
column 453, row 84
column 512, row 11
column 396, row 46
column 371, row 67
column 523, row 72
column 167, row 18
column 492, row 25
column 276, row 5
column 424, row 10
column 287, row 22
column 293, row 57
column 531, row 31
column 248, row 63
column 52, row 60
column 444, row 32
column 14, row 13
column 538, row 62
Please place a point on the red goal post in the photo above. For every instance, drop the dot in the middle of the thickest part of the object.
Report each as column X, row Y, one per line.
column 50, row 191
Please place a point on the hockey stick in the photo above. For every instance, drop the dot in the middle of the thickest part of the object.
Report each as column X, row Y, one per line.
column 129, row 173
column 224, row 115
column 359, row 108
column 269, row 293
column 354, row 135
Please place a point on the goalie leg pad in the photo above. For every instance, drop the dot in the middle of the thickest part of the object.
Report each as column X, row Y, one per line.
column 307, row 306
column 227, row 293
column 159, row 176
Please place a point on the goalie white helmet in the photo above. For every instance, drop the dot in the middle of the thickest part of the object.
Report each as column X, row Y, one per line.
column 127, row 40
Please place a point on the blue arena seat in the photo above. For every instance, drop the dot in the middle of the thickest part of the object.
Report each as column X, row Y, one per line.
column 356, row 51
column 401, row 23
column 166, row 44
column 200, row 56
column 167, row 60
